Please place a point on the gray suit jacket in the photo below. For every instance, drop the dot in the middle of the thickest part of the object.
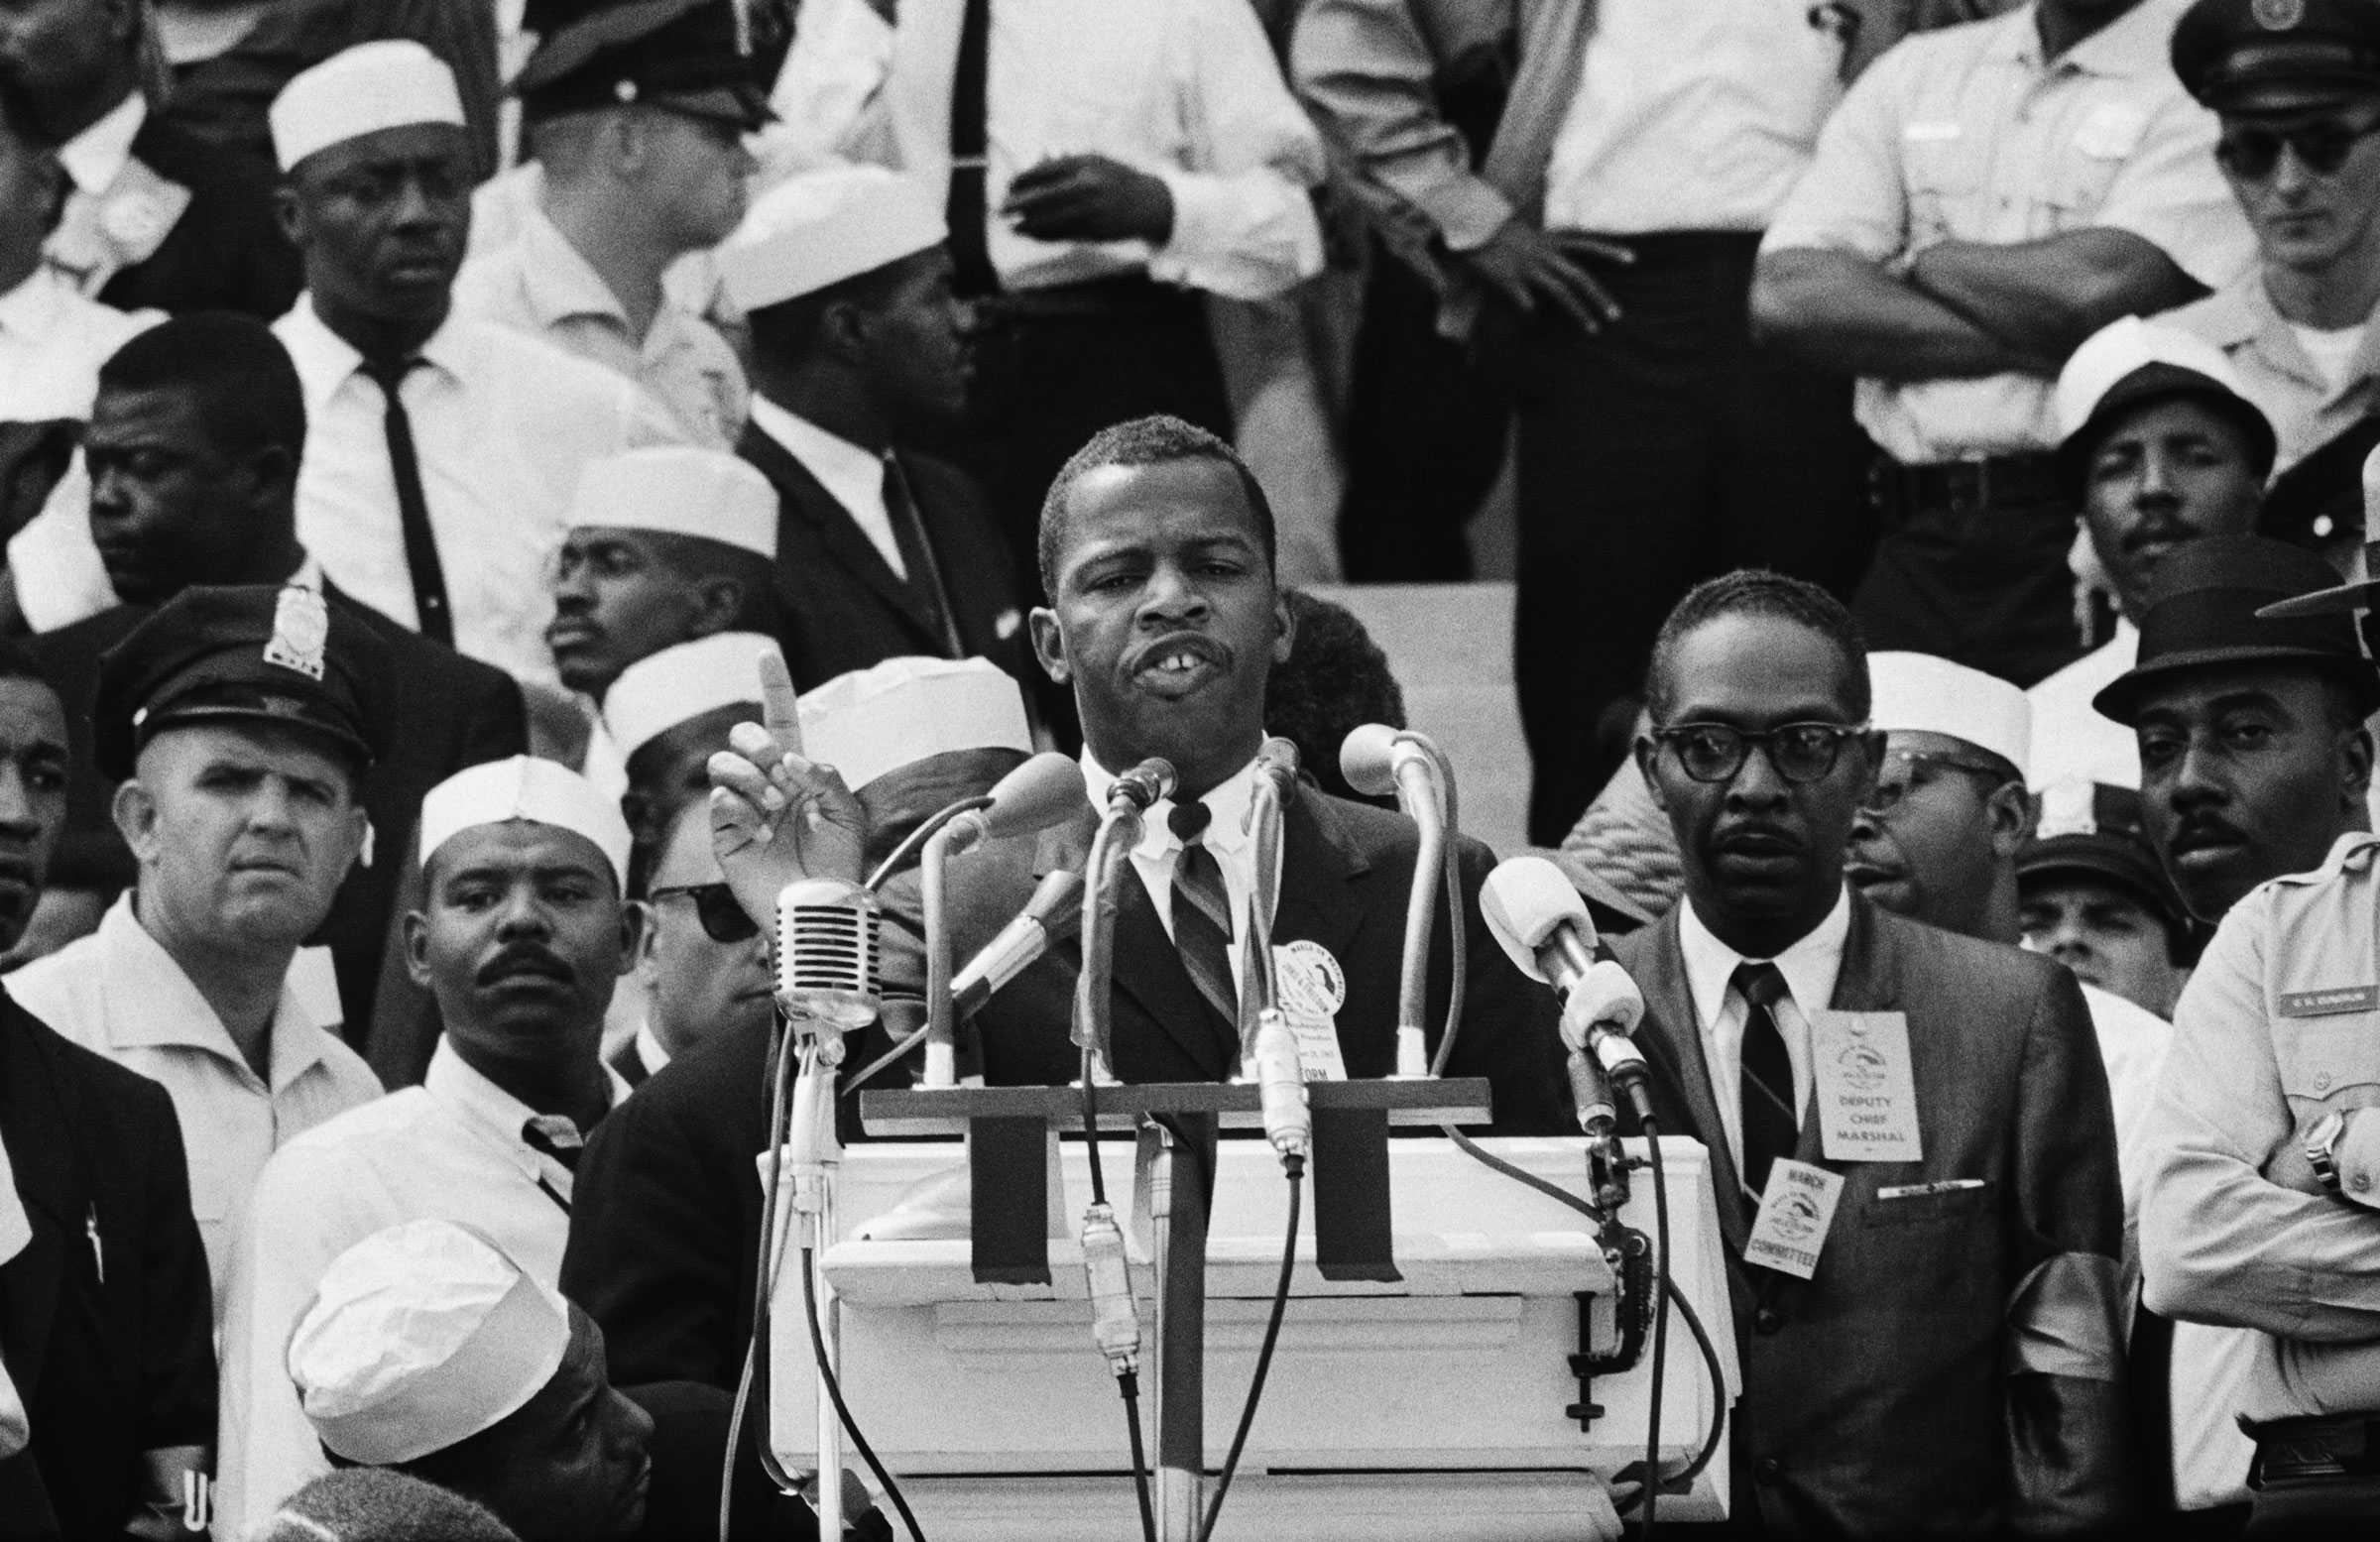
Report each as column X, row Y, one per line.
column 1954, row 1368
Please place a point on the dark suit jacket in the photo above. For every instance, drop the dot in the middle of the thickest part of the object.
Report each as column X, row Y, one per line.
column 629, row 1064
column 845, row 609
column 1954, row 1369
column 228, row 251
column 109, row 1366
column 446, row 712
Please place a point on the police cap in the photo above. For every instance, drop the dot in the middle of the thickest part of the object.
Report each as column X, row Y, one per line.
column 251, row 653
column 2226, row 51
column 705, row 58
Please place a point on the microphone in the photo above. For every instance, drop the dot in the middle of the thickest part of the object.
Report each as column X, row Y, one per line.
column 1145, row 785
column 1376, row 760
column 1051, row 915
column 1543, row 926
column 1277, row 764
column 1036, row 795
column 829, row 953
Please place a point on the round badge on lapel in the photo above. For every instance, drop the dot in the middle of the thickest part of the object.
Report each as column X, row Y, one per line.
column 1311, row 982
column 2277, row 15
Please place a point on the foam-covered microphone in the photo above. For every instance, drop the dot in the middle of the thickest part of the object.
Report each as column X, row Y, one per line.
column 1051, row 915
column 1376, row 760
column 1543, row 926
column 1143, row 786
column 829, row 954
column 1382, row 761
column 1036, row 795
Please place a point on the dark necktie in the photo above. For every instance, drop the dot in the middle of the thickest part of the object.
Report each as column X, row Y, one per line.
column 1772, row 1127
column 556, row 1137
column 968, row 211
column 917, row 556
column 413, row 507
column 1202, row 923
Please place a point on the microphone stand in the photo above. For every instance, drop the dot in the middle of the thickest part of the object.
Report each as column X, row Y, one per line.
column 1417, row 776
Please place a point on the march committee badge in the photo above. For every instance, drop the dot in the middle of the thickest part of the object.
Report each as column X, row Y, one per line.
column 301, row 631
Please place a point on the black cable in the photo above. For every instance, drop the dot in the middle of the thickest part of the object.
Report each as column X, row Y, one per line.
column 834, row 1389
column 1661, row 1294
column 1099, row 1180
column 1129, row 1383
column 779, row 1115
column 1457, row 923
column 914, row 842
column 1295, row 1166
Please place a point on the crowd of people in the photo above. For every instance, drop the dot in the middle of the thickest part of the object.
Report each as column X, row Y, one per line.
column 495, row 489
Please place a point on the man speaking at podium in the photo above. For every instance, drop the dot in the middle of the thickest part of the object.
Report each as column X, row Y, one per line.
column 1909, row 1130
column 1156, row 554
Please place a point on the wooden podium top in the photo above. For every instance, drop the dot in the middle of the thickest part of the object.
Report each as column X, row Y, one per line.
column 946, row 1111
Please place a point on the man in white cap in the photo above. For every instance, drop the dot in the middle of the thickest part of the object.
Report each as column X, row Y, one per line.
column 666, row 546
column 2159, row 445
column 429, row 1350
column 668, row 711
column 521, row 937
column 857, row 359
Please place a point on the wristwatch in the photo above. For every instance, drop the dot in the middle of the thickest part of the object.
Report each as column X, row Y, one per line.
column 2322, row 1149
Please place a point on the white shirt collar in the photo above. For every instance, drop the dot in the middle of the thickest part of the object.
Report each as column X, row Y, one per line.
column 97, row 156
column 852, row 475
column 152, row 1004
column 1810, row 966
column 648, row 1048
column 325, row 361
column 1228, row 801
column 32, row 310
column 561, row 282
column 489, row 1108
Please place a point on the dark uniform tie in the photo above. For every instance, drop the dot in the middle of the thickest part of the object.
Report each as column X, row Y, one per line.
column 1772, row 1126
column 968, row 211
column 412, row 507
column 556, row 1136
column 917, row 556
column 1202, row 923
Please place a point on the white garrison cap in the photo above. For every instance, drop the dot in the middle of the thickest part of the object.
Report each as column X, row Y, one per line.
column 525, row 787
column 899, row 712
column 2124, row 347
column 682, row 491
column 1918, row 693
column 823, row 226
column 389, row 85
column 661, row 690
column 421, row 1336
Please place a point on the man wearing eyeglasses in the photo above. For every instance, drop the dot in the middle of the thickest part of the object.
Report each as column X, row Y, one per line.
column 2296, row 84
column 705, row 966
column 1929, row 1339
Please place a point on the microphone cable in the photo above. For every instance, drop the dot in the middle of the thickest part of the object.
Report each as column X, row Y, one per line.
column 1295, row 1166
column 914, row 842
column 1128, row 1382
column 1661, row 1295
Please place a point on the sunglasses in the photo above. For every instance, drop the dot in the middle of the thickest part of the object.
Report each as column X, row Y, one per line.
column 1716, row 752
column 2250, row 151
column 723, row 920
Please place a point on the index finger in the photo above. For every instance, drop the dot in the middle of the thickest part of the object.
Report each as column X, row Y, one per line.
column 781, row 708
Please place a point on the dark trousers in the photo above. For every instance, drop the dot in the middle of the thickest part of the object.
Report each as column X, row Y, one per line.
column 1984, row 585
column 1664, row 451
column 1426, row 424
column 1054, row 367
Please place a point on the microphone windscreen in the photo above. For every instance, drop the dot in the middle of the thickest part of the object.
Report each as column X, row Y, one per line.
column 1525, row 900
column 1367, row 760
column 1036, row 795
column 1277, row 755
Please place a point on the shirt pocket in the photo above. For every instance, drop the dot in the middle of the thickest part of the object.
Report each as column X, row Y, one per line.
column 1934, row 1256
column 1944, row 170
column 2328, row 1062
column 2087, row 165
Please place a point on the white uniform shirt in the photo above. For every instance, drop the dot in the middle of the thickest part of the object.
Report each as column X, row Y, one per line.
column 1185, row 90
column 449, row 1148
column 854, row 477
column 540, row 283
column 1810, row 967
column 1691, row 115
column 52, row 344
column 2070, row 739
column 119, row 993
column 2308, row 403
column 1968, row 134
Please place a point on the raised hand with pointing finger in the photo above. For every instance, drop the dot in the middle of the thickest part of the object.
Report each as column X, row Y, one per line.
column 778, row 819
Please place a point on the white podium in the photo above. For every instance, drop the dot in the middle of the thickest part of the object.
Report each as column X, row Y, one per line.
column 1427, row 1407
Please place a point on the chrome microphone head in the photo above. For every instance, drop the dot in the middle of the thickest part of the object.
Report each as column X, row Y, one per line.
column 829, row 953
column 1148, row 783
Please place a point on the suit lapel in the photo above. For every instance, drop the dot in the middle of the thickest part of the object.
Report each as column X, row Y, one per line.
column 1678, row 1046
column 803, row 498
column 39, row 1129
column 1319, row 860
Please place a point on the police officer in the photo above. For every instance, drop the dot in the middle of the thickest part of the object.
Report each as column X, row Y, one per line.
column 2092, row 894
column 2296, row 84
column 240, row 722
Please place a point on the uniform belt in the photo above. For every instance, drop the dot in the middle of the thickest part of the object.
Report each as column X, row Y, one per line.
column 1966, row 486
column 2289, row 1449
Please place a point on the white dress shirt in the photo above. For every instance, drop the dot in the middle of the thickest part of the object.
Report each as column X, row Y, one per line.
column 1227, row 836
column 447, row 1150
column 650, row 1050
column 854, row 477
column 97, row 156
column 1184, row 90
column 120, row 993
column 2070, row 741
column 52, row 344
column 1809, row 968
column 1691, row 115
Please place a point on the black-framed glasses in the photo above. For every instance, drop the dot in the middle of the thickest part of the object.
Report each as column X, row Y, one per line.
column 1893, row 787
column 2251, row 150
column 1716, row 752
column 723, row 920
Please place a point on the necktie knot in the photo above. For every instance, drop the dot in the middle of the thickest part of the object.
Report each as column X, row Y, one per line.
column 1189, row 820
column 555, row 1136
column 389, row 373
column 1762, row 983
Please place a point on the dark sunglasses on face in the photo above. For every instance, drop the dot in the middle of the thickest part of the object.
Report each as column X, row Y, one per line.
column 723, row 920
column 1716, row 752
column 2251, row 151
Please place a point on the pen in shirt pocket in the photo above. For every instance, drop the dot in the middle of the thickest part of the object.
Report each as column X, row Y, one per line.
column 1919, row 1189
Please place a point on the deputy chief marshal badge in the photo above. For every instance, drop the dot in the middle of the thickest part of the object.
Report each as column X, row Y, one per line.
column 301, row 629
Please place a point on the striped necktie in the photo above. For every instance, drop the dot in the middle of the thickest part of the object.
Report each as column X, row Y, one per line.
column 1771, row 1125
column 1202, row 923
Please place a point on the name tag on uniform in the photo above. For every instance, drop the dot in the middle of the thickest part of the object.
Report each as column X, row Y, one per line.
column 1796, row 1212
column 2328, row 1001
column 1312, row 989
column 1866, row 1094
